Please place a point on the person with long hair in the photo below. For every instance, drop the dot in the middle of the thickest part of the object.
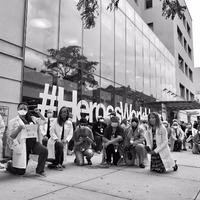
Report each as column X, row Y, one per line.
column 61, row 133
column 157, row 145
column 22, row 147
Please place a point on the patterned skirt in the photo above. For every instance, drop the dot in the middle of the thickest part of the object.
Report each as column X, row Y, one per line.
column 157, row 164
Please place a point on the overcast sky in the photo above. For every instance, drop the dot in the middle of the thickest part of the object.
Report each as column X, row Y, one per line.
column 193, row 6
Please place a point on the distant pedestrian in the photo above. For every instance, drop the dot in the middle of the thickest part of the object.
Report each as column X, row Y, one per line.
column 157, row 145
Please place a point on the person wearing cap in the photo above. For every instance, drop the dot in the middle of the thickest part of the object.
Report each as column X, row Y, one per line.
column 135, row 143
column 83, row 139
column 113, row 137
column 177, row 136
column 61, row 133
column 98, row 130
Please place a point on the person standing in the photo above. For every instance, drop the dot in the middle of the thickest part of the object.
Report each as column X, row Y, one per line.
column 23, row 147
column 157, row 145
column 61, row 133
column 83, row 139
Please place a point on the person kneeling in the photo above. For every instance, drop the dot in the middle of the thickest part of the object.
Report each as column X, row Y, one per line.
column 83, row 138
column 135, row 143
column 113, row 136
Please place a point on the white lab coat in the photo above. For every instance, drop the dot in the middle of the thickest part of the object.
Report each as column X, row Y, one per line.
column 55, row 133
column 162, row 146
column 18, row 145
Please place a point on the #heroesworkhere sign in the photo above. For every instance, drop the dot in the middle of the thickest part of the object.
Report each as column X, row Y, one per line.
column 83, row 106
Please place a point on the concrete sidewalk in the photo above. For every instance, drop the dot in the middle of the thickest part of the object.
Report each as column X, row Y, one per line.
column 96, row 183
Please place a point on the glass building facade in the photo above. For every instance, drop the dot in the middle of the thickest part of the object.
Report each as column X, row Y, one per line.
column 119, row 62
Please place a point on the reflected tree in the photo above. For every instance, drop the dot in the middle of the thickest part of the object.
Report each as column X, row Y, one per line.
column 89, row 10
column 68, row 63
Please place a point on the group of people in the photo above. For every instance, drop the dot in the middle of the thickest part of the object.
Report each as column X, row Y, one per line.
column 50, row 138
column 181, row 134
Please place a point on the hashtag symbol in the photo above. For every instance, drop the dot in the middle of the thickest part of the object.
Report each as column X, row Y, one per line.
column 45, row 97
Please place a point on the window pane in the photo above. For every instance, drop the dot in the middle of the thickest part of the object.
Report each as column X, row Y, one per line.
column 120, row 47
column 130, row 55
column 107, row 42
column 70, row 24
column 42, row 24
column 139, row 64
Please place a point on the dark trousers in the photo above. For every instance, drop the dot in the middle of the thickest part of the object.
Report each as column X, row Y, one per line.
column 111, row 151
column 37, row 149
column 177, row 145
column 71, row 145
column 98, row 143
column 58, row 153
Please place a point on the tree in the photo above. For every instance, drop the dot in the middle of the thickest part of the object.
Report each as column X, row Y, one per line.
column 89, row 10
column 68, row 63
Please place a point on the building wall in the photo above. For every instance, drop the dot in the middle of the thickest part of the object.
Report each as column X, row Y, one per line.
column 131, row 64
column 11, row 53
column 166, row 30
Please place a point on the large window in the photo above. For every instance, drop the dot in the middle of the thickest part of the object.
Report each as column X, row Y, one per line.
column 149, row 3
column 120, row 47
column 42, row 25
column 107, row 43
column 130, row 55
column 138, row 57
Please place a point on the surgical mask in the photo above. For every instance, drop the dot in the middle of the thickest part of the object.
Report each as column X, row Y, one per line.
column 114, row 124
column 49, row 115
column 22, row 112
column 101, row 120
column 175, row 127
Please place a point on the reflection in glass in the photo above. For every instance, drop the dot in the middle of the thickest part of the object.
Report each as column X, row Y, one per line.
column 42, row 24
column 130, row 13
column 107, row 92
column 139, row 64
column 146, row 61
column 70, row 24
column 158, row 74
column 107, row 42
column 130, row 55
column 91, row 43
column 153, row 69
column 119, row 47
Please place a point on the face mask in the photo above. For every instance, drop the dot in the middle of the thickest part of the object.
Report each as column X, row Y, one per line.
column 49, row 115
column 175, row 127
column 101, row 120
column 114, row 124
column 22, row 112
